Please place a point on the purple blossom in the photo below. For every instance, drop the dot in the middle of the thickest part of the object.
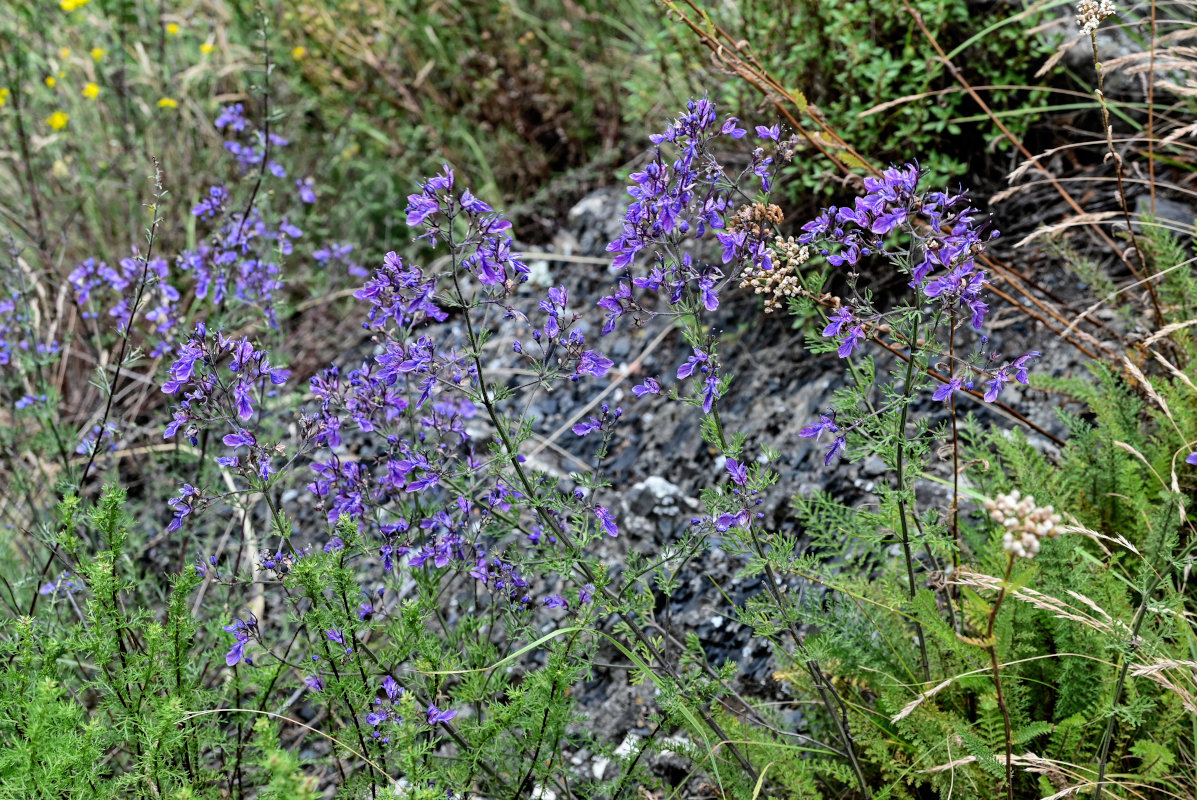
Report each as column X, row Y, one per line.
column 1191, row 459
column 242, row 629
column 737, row 472
column 587, row 427
column 556, row 601
column 851, row 341
column 836, row 448
column 944, row 392
column 836, row 322
column 594, row 363
column 242, row 438
column 314, row 683
column 710, row 392
column 435, row 715
column 773, row 132
column 995, row 386
column 727, row 521
column 650, row 386
column 826, row 424
column 607, row 519
column 693, row 362
column 1020, row 365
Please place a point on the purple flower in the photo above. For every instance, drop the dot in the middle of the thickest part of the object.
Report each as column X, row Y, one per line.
column 586, row 593
column 594, row 363
column 851, row 341
column 826, row 424
column 995, row 386
column 836, row 448
column 945, row 391
column 587, row 427
column 556, row 601
column 727, row 521
column 687, row 369
column 392, row 688
column 241, row 629
column 1191, row 459
column 435, row 715
column 837, row 321
column 335, row 635
column 773, row 132
column 1020, row 364
column 241, row 438
column 737, row 471
column 730, row 128
column 710, row 392
column 314, row 683
column 420, row 208
column 650, row 386
column 607, row 519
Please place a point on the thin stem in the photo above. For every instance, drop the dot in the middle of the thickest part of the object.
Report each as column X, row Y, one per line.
column 901, row 491
column 997, row 678
column 1118, row 174
column 954, row 515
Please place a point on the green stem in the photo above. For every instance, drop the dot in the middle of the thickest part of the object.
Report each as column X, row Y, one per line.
column 907, row 389
column 997, row 678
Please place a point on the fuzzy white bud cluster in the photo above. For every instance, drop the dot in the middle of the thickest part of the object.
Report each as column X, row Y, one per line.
column 781, row 282
column 1090, row 13
column 1026, row 523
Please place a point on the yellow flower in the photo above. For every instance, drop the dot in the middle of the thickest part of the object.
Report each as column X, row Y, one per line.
column 50, row 81
column 58, row 120
column 172, row 28
column 91, row 91
column 299, row 52
column 3, row 95
column 71, row 5
column 98, row 53
column 168, row 102
column 207, row 47
column 64, row 53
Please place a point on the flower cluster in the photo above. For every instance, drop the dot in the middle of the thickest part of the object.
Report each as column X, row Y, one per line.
column 1026, row 523
column 384, row 712
column 559, row 344
column 249, row 155
column 782, row 281
column 114, row 288
column 212, row 397
column 244, row 629
column 17, row 334
column 684, row 197
column 944, row 229
column 1091, row 13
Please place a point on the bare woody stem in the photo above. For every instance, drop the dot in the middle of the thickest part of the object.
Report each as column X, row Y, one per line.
column 1119, row 171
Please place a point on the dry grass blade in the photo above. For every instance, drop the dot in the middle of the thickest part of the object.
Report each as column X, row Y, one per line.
column 916, row 702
